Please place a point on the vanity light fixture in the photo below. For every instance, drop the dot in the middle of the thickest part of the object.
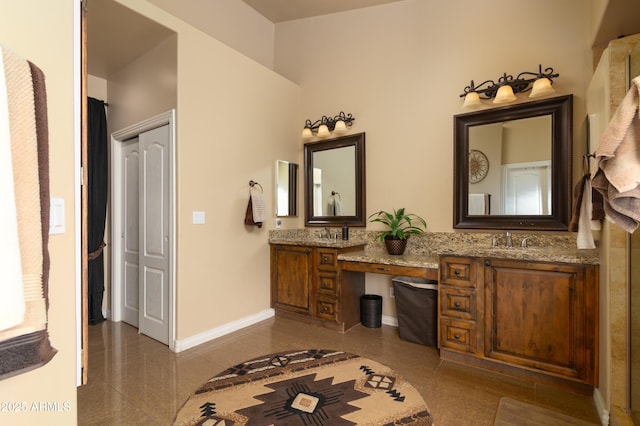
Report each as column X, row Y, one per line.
column 326, row 125
column 504, row 90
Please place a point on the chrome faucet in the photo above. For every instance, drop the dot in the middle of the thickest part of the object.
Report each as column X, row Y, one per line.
column 524, row 242
column 509, row 242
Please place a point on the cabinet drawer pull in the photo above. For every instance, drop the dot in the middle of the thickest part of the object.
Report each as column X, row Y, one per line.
column 456, row 336
column 457, row 304
column 456, row 272
column 324, row 284
column 380, row 268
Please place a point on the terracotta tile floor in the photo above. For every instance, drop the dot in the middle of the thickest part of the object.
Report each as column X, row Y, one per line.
column 134, row 380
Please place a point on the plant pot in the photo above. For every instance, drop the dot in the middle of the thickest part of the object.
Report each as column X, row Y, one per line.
column 395, row 246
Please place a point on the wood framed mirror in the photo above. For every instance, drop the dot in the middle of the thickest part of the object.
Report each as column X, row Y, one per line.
column 334, row 173
column 512, row 166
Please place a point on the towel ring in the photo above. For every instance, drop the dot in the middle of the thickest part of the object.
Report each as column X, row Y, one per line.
column 334, row 193
column 253, row 183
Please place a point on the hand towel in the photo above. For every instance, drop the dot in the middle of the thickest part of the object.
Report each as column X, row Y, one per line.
column 585, row 237
column 259, row 209
column 12, row 305
column 337, row 206
column 477, row 204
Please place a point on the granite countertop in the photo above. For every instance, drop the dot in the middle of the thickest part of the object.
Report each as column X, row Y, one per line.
column 423, row 251
column 538, row 254
column 318, row 242
column 419, row 261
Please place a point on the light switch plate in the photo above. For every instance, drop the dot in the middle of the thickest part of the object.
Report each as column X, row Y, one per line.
column 56, row 216
column 198, row 218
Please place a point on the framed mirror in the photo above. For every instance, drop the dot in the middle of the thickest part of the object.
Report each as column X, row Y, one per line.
column 512, row 166
column 334, row 173
column 286, row 188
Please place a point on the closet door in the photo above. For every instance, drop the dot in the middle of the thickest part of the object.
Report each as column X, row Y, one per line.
column 130, row 166
column 154, row 234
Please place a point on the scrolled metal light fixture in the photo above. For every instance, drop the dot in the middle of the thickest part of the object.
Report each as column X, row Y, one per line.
column 327, row 125
column 507, row 86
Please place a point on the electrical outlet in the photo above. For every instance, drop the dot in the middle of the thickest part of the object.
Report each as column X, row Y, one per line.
column 391, row 293
column 278, row 223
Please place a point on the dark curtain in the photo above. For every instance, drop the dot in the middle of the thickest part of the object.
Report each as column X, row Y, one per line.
column 98, row 179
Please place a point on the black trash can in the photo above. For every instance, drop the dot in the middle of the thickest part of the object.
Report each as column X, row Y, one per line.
column 371, row 310
column 417, row 309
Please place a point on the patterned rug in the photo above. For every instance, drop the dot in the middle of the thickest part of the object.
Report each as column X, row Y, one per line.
column 307, row 387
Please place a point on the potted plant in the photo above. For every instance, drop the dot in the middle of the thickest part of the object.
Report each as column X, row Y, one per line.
column 400, row 226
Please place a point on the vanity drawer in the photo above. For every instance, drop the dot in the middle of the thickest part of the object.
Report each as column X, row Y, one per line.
column 327, row 259
column 458, row 302
column 327, row 284
column 457, row 271
column 459, row 335
column 326, row 309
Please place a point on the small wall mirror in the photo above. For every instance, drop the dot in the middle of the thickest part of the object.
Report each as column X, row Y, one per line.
column 335, row 181
column 512, row 166
column 286, row 188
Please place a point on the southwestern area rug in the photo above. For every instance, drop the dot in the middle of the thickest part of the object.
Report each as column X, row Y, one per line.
column 306, row 387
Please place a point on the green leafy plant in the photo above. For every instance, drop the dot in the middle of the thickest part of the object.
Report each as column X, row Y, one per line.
column 399, row 224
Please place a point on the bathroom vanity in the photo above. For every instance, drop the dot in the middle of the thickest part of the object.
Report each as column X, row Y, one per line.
column 307, row 285
column 532, row 319
column 527, row 312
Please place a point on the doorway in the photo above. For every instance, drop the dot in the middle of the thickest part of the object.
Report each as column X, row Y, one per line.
column 143, row 227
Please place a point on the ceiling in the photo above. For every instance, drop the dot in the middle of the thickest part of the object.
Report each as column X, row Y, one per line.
column 287, row 10
column 116, row 35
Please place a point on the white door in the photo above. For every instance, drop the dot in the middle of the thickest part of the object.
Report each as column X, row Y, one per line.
column 527, row 189
column 154, row 317
column 129, row 203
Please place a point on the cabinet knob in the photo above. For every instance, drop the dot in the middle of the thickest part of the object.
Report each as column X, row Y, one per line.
column 456, row 272
column 457, row 304
column 456, row 336
column 324, row 284
column 325, row 258
column 487, row 263
column 325, row 309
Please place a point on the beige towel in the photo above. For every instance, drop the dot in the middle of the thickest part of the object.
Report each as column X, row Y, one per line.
column 24, row 150
column 478, row 204
column 12, row 306
column 584, row 239
column 618, row 154
column 618, row 163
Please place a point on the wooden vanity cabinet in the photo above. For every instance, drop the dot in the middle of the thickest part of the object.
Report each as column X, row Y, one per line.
column 306, row 284
column 532, row 319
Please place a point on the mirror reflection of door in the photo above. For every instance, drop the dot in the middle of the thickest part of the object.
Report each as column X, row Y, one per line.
column 527, row 188
column 515, row 146
column 334, row 182
column 286, row 188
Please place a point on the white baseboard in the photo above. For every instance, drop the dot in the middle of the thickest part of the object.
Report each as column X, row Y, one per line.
column 603, row 413
column 206, row 336
column 389, row 320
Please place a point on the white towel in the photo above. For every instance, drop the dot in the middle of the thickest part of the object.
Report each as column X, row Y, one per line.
column 585, row 237
column 337, row 206
column 258, row 206
column 477, row 204
column 12, row 304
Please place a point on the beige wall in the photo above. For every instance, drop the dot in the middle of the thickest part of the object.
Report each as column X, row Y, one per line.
column 234, row 119
column 144, row 88
column 399, row 69
column 42, row 32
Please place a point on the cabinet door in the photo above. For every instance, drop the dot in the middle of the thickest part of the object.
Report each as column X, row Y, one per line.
column 291, row 278
column 535, row 315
